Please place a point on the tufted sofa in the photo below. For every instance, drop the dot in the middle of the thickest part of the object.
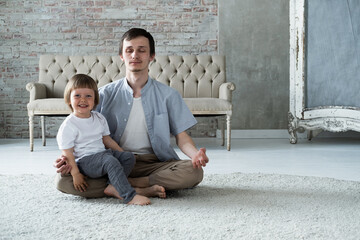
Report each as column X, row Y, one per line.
column 200, row 80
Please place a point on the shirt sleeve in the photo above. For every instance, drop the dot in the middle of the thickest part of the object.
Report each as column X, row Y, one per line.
column 66, row 136
column 180, row 116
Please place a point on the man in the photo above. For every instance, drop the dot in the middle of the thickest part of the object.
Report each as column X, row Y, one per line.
column 142, row 113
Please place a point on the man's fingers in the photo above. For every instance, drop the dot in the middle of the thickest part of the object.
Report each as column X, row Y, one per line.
column 60, row 169
column 82, row 187
column 59, row 162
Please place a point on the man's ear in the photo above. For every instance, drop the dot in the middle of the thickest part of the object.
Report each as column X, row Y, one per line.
column 121, row 57
column 152, row 57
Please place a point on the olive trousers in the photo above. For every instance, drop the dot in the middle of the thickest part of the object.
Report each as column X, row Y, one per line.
column 172, row 175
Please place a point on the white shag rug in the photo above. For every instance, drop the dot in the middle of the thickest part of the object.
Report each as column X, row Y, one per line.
column 231, row 206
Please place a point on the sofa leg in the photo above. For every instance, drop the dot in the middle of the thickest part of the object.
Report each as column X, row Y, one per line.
column 222, row 127
column 31, row 132
column 228, row 129
column 43, row 130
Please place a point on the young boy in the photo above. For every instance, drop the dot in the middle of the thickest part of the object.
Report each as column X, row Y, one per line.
column 83, row 138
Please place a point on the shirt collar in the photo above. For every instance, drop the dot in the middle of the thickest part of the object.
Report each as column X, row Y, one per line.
column 143, row 90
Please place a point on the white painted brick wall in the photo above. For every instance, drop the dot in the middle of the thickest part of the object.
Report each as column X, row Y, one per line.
column 32, row 28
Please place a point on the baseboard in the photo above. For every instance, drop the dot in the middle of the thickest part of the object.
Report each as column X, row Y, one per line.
column 282, row 133
column 256, row 133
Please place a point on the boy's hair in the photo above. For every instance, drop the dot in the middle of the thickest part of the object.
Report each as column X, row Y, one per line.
column 137, row 32
column 80, row 81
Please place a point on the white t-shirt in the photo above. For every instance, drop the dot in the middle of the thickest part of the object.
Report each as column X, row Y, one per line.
column 84, row 134
column 135, row 138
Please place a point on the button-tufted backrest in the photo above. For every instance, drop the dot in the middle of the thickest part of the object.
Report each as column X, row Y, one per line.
column 193, row 76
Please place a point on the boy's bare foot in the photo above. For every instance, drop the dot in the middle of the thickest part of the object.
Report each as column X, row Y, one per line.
column 153, row 191
column 139, row 200
column 111, row 192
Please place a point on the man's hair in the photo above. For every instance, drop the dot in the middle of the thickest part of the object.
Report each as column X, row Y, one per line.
column 138, row 32
column 80, row 81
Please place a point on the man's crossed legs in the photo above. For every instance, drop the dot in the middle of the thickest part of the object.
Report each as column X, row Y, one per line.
column 149, row 177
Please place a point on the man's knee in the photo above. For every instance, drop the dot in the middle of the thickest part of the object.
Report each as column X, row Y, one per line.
column 180, row 176
column 194, row 176
column 95, row 190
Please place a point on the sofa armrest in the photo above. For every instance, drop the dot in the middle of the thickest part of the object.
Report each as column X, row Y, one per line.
column 225, row 91
column 37, row 90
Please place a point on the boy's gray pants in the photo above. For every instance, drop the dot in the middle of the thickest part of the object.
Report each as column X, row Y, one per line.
column 113, row 164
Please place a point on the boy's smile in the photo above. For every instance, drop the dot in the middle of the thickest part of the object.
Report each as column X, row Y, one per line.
column 82, row 102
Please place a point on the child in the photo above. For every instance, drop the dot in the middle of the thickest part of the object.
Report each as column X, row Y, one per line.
column 83, row 136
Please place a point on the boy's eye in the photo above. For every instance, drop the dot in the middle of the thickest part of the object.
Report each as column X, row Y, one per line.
column 89, row 96
column 77, row 95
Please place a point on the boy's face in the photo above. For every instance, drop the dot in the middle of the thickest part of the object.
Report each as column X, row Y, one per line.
column 82, row 102
column 136, row 54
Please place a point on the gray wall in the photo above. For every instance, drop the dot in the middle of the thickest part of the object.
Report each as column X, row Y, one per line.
column 254, row 36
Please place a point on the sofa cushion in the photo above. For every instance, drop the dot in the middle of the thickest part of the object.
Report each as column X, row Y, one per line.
column 57, row 106
column 48, row 106
column 211, row 106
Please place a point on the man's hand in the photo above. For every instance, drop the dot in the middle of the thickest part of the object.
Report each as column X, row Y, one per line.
column 62, row 166
column 79, row 182
column 200, row 159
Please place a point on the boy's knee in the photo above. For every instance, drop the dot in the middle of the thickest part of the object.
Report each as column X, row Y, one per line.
column 127, row 157
column 130, row 157
column 111, row 162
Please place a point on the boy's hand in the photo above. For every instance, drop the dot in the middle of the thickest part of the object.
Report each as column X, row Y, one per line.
column 79, row 182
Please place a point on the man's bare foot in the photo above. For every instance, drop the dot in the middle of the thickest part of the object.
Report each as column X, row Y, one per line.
column 139, row 200
column 111, row 192
column 153, row 191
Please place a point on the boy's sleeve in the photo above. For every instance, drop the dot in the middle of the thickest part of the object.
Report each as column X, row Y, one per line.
column 66, row 137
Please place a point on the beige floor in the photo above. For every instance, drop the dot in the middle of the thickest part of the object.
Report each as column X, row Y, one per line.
column 335, row 158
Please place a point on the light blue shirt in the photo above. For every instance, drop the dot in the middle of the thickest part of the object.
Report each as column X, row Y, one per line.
column 165, row 113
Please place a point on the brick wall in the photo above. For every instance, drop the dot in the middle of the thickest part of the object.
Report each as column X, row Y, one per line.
column 35, row 27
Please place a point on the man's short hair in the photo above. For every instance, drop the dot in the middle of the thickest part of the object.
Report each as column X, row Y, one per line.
column 138, row 32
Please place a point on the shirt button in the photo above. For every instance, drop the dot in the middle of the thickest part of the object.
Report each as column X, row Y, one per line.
column 124, row 119
column 128, row 103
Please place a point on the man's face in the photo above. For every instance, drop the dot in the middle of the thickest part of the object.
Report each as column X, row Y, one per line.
column 136, row 54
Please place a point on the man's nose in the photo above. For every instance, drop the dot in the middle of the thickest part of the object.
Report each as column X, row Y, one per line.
column 134, row 54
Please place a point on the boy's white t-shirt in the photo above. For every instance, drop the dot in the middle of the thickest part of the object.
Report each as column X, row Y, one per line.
column 84, row 134
column 135, row 138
